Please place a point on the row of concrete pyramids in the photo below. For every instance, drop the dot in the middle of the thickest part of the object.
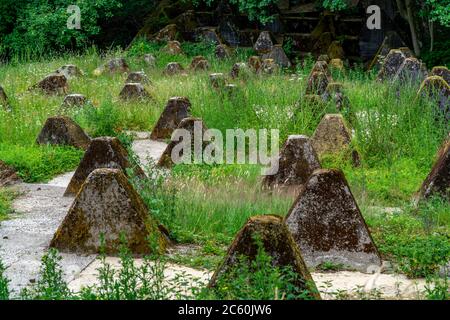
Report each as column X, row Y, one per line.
column 298, row 158
column 324, row 223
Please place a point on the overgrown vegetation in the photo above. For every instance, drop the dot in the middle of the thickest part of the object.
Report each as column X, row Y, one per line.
column 146, row 280
column 397, row 137
column 6, row 198
column 31, row 29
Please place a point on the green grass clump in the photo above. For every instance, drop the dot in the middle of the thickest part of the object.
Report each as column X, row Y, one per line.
column 36, row 164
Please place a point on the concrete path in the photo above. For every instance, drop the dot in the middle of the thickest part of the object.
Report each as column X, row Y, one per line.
column 41, row 208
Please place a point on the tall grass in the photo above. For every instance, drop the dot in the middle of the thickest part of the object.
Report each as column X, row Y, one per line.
column 395, row 132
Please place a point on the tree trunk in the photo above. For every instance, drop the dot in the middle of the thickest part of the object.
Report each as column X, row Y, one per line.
column 412, row 27
column 431, row 36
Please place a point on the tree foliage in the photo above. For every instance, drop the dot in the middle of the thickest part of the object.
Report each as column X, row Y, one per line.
column 436, row 11
column 40, row 26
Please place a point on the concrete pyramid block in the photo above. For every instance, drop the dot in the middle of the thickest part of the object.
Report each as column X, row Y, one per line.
column 277, row 242
column 297, row 161
column 53, row 84
column 74, row 100
column 8, row 175
column 336, row 51
column 324, row 57
column 222, row 52
column 3, row 99
column 107, row 206
column 69, row 71
column 327, row 225
column 264, row 43
column 337, row 65
column 335, row 92
column 279, row 56
column 391, row 41
column 321, row 66
column 173, row 48
column 394, row 60
column 176, row 110
column 240, row 70
column 255, row 63
column 196, row 129
column 104, row 152
column 138, row 77
column 438, row 180
column 332, row 137
column 62, row 130
column 438, row 90
column 411, row 71
column 168, row 33
column 269, row 66
column 115, row 65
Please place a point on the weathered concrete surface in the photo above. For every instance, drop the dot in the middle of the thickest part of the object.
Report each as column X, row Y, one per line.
column 277, row 243
column 133, row 91
column 107, row 205
column 173, row 48
column 317, row 83
column 8, row 175
column 240, row 70
column 195, row 127
column 333, row 137
column 279, row 56
column 116, row 65
column 39, row 211
column 74, row 100
column 330, row 285
column 411, row 71
column 297, row 161
column 63, row 130
column 69, row 71
column 177, row 108
column 103, row 152
column 138, row 77
column 437, row 182
column 53, row 84
column 264, row 43
column 443, row 72
column 328, row 226
column 26, row 236
column 89, row 276
column 199, row 63
column 394, row 60
column 438, row 90
column 173, row 68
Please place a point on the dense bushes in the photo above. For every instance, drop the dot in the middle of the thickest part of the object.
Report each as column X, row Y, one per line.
column 37, row 27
